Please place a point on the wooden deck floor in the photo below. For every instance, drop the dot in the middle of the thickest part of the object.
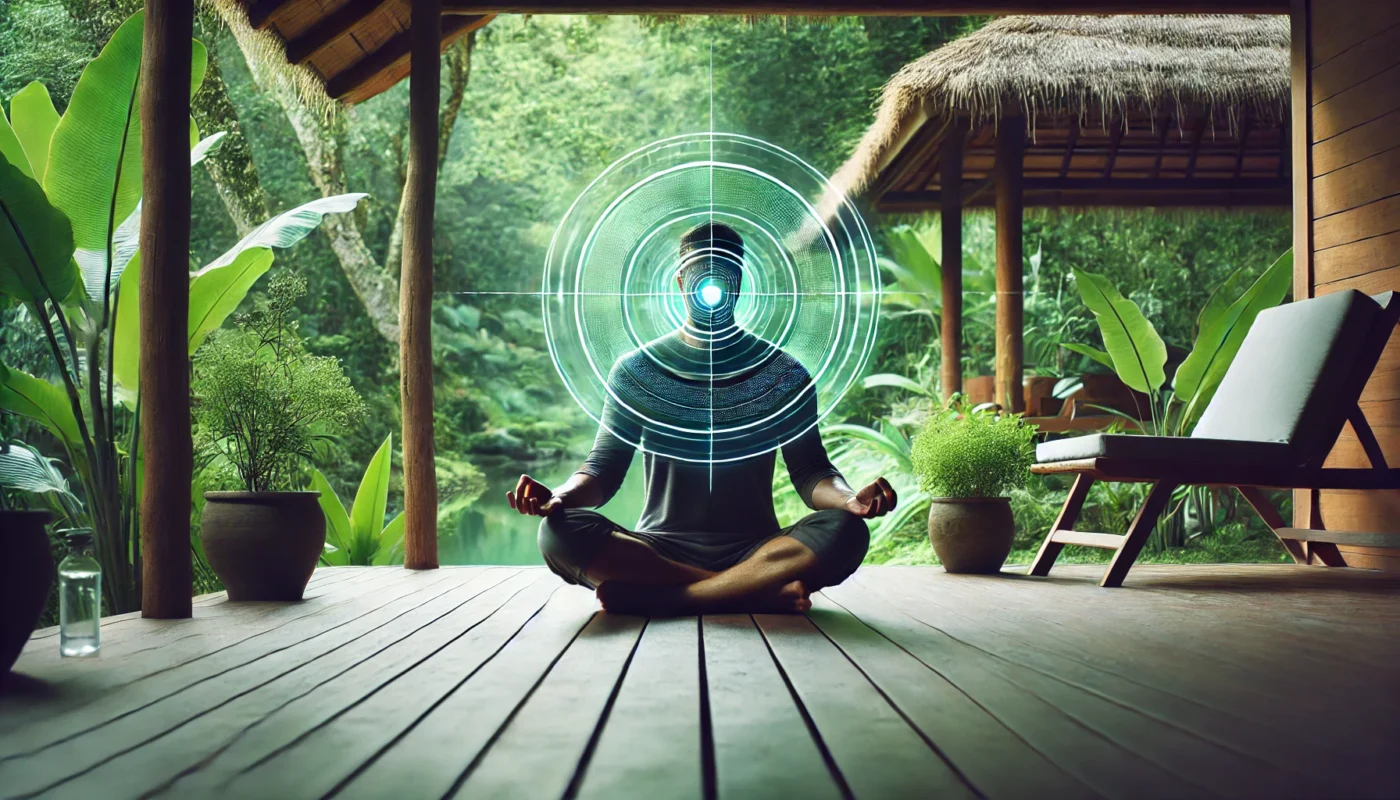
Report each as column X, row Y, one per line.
column 904, row 682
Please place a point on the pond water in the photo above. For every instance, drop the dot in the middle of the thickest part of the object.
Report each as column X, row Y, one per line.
column 491, row 532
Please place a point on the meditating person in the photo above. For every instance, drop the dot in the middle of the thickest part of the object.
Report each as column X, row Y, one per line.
column 708, row 540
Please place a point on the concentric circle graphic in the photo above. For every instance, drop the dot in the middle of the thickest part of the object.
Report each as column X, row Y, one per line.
column 720, row 351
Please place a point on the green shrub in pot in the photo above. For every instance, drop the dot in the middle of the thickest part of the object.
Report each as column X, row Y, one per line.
column 262, row 404
column 968, row 461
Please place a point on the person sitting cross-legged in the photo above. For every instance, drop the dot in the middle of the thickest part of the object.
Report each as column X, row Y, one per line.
column 708, row 540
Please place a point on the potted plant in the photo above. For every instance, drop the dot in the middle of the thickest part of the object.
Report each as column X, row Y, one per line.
column 26, row 573
column 967, row 461
column 261, row 401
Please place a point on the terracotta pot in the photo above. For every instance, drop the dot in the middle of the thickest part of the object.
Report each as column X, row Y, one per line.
column 1039, row 396
column 979, row 389
column 971, row 534
column 263, row 545
column 26, row 573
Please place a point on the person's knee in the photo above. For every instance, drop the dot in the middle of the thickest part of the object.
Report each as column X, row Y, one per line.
column 569, row 539
column 847, row 538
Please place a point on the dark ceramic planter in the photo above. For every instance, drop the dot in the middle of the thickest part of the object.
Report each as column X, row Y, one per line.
column 26, row 573
column 971, row 535
column 263, row 545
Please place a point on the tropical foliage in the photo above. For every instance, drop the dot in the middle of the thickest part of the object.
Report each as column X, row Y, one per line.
column 69, row 254
column 361, row 537
column 964, row 453
column 263, row 402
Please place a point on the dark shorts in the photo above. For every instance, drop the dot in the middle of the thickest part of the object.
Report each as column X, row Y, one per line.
column 569, row 540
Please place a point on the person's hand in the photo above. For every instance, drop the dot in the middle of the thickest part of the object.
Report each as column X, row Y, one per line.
column 532, row 497
column 875, row 500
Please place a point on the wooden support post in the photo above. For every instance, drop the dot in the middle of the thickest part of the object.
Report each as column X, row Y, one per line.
column 1010, row 155
column 166, row 575
column 416, row 290
column 950, row 210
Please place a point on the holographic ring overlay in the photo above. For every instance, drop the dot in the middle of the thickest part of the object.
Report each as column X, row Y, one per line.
column 755, row 371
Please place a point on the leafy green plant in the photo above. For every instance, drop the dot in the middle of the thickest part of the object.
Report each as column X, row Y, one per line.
column 964, row 453
column 361, row 538
column 70, row 219
column 261, row 397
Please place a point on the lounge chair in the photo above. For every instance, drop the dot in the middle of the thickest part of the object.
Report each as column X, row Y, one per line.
column 1294, row 384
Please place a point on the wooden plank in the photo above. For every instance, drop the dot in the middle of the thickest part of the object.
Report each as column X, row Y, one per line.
column 141, row 643
column 390, row 62
column 1354, row 107
column 1098, row 762
column 1360, row 538
column 444, row 743
column 416, row 291
column 166, row 577
column 1107, row 541
column 1357, row 258
column 1363, row 559
column 876, row 8
column 878, row 753
column 1373, row 219
column 1245, row 757
column 175, row 739
column 762, row 745
column 1382, row 280
column 1375, row 178
column 1358, row 144
column 652, row 745
column 548, row 739
column 968, row 736
column 329, row 28
column 1342, row 25
column 1364, row 60
column 313, row 764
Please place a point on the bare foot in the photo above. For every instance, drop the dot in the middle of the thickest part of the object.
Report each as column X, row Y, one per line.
column 631, row 598
column 791, row 598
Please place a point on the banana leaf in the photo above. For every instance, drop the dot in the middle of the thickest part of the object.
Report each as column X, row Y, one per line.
column 338, row 535
column 1199, row 376
column 94, row 169
column 913, row 264
column 1138, row 352
column 371, row 501
column 22, row 468
column 10, row 148
column 41, row 401
column 36, row 241
column 34, row 118
column 390, row 543
column 1093, row 353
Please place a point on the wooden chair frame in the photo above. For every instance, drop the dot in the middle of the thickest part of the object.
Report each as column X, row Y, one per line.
column 1308, row 545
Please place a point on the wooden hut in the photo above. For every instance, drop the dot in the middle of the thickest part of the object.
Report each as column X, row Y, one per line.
column 1079, row 111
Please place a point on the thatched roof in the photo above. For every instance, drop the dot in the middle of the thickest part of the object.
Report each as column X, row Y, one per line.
column 1151, row 97
column 354, row 48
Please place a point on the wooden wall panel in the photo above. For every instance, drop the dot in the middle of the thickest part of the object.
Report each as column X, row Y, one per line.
column 1359, row 143
column 1358, row 105
column 1376, row 219
column 1336, row 25
column 1348, row 214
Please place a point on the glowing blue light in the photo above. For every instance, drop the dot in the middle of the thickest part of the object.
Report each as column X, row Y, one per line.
column 711, row 294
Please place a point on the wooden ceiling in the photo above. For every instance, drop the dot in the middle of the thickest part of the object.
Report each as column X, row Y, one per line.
column 358, row 47
column 1140, row 161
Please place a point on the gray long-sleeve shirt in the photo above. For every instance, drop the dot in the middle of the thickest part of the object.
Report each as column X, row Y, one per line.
column 726, row 502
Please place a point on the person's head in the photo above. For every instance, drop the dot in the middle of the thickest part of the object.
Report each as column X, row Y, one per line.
column 711, row 272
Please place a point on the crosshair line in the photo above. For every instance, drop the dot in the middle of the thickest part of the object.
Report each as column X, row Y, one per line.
column 742, row 294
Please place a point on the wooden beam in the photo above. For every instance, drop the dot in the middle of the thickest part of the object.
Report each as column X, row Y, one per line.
column 416, row 290
column 1070, row 143
column 950, row 210
column 871, row 8
column 1305, row 501
column 393, row 56
column 1009, row 175
column 331, row 27
column 166, row 575
column 1103, row 541
column 260, row 12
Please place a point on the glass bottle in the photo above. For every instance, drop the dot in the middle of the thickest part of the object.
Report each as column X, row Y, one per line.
column 79, row 597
